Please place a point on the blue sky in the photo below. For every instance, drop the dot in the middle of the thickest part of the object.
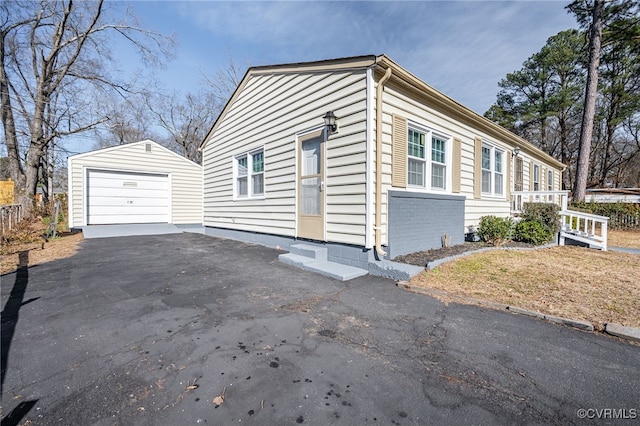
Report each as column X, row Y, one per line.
column 462, row 48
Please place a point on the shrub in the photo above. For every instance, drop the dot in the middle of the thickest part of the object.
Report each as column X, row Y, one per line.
column 494, row 230
column 532, row 232
column 547, row 214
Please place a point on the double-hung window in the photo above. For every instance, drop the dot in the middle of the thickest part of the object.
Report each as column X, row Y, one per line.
column 438, row 162
column 427, row 159
column 498, row 175
column 249, row 174
column 492, row 170
column 242, row 182
column 417, row 158
column 536, row 177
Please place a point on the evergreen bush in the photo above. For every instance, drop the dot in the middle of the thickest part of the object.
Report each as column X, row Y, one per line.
column 547, row 214
column 532, row 232
column 495, row 230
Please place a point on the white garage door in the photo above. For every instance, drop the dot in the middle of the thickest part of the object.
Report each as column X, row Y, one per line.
column 126, row 197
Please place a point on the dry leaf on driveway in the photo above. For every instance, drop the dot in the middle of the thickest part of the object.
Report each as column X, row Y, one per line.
column 220, row 398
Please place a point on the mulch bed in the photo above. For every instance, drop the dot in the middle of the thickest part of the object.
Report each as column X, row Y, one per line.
column 422, row 258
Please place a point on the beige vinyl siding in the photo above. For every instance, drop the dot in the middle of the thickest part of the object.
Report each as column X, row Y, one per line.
column 76, row 194
column 529, row 163
column 185, row 177
column 274, row 106
column 476, row 208
column 399, row 102
column 269, row 111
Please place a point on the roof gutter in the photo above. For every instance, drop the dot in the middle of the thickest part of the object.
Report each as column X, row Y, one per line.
column 378, row 220
column 460, row 112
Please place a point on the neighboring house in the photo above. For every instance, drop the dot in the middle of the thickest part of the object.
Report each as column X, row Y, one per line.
column 39, row 197
column 140, row 182
column 613, row 195
column 406, row 167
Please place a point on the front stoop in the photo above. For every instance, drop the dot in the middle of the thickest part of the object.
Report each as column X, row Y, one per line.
column 314, row 259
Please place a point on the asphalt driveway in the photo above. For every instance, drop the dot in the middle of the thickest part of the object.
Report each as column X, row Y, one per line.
column 148, row 330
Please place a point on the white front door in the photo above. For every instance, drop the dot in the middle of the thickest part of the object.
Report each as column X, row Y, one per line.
column 127, row 197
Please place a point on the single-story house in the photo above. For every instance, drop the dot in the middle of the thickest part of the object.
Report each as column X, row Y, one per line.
column 39, row 197
column 403, row 167
column 613, row 195
column 140, row 182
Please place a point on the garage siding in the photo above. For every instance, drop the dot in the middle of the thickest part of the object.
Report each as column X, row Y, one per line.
column 185, row 178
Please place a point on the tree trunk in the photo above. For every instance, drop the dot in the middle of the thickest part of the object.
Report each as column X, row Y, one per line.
column 606, row 161
column 586, row 131
column 15, row 167
column 543, row 136
column 37, row 148
column 564, row 152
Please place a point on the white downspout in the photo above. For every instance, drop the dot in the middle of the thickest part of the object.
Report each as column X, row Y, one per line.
column 378, row 221
column 369, row 197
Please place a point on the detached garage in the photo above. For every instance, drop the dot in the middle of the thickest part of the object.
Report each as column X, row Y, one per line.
column 141, row 182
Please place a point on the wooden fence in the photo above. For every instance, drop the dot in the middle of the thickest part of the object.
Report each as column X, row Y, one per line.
column 621, row 220
column 10, row 215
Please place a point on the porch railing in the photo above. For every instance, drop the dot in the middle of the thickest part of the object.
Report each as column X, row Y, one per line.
column 584, row 227
column 520, row 198
column 578, row 226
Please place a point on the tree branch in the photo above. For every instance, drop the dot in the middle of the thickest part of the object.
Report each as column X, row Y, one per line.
column 74, row 57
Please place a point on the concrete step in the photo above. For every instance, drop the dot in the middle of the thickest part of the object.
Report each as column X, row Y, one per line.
column 294, row 259
column 308, row 250
column 334, row 270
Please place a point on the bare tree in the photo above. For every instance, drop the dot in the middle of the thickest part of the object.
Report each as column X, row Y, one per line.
column 187, row 121
column 55, row 58
column 225, row 81
column 629, row 174
column 129, row 120
column 13, row 164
